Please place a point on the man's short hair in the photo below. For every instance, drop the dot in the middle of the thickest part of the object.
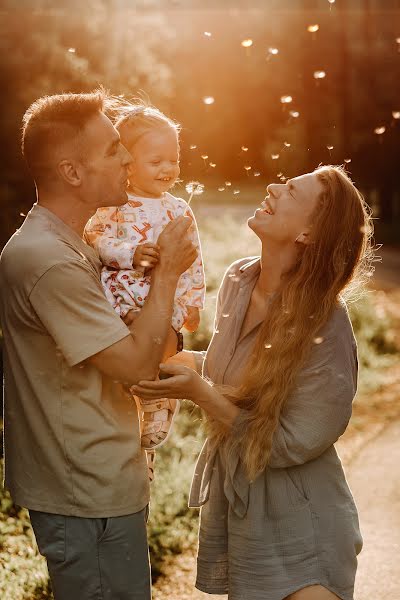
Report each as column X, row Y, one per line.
column 51, row 121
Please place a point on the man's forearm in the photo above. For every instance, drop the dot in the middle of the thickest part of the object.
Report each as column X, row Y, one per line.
column 151, row 330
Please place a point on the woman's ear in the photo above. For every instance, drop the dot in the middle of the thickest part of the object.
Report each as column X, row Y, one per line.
column 70, row 172
column 303, row 238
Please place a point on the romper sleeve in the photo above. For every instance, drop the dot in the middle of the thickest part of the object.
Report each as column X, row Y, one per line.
column 101, row 232
column 318, row 410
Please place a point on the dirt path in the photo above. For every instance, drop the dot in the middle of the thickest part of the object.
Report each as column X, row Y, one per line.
column 374, row 477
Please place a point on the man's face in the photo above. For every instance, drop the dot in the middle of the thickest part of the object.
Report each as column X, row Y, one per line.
column 104, row 164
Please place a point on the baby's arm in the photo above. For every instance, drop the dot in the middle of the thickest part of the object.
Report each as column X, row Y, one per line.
column 101, row 232
column 192, row 320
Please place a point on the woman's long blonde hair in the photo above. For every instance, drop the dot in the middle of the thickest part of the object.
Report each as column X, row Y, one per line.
column 338, row 254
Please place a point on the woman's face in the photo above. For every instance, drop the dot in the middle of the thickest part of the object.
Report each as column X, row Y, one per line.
column 285, row 214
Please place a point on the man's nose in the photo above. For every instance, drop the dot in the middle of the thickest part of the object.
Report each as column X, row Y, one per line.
column 126, row 157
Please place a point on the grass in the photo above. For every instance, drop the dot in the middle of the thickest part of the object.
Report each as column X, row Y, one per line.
column 172, row 526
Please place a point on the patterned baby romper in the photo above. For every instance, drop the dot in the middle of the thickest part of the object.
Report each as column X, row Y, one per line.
column 116, row 232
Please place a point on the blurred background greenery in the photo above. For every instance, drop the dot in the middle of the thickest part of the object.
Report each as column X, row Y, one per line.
column 264, row 89
column 227, row 71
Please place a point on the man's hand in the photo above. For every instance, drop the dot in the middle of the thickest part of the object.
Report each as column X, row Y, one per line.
column 177, row 252
column 146, row 255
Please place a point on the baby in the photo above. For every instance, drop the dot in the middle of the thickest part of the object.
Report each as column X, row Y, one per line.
column 125, row 238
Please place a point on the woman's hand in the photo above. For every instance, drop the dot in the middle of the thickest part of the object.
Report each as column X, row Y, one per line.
column 187, row 383
column 182, row 382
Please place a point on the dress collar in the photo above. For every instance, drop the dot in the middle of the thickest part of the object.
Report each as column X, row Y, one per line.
column 252, row 266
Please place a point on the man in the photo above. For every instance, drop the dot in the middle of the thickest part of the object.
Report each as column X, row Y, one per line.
column 72, row 445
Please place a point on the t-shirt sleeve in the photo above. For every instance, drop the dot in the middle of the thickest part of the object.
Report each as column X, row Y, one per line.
column 70, row 303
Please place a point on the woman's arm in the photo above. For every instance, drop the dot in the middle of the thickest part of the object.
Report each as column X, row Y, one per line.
column 186, row 383
column 315, row 415
column 319, row 409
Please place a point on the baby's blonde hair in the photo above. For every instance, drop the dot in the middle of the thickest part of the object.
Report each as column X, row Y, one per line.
column 137, row 118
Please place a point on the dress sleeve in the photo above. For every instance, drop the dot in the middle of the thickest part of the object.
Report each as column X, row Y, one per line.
column 195, row 276
column 106, row 235
column 318, row 411
column 69, row 301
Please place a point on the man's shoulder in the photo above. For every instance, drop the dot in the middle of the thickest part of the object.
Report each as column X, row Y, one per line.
column 30, row 253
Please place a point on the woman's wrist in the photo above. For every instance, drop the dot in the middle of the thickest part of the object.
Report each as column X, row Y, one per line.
column 216, row 404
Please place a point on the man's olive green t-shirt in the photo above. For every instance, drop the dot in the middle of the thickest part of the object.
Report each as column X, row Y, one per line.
column 72, row 443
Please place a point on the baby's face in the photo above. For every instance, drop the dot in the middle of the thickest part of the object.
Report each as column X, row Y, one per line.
column 155, row 165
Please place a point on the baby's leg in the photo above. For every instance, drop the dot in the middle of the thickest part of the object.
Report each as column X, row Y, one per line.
column 158, row 418
column 192, row 320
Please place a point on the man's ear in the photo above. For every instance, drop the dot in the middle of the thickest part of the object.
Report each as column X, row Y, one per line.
column 70, row 172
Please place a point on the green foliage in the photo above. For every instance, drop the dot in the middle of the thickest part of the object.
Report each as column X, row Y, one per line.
column 373, row 329
column 23, row 572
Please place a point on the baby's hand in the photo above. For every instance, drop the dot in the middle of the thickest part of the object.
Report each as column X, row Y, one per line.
column 193, row 318
column 146, row 255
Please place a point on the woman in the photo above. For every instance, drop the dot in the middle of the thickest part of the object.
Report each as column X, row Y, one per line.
column 278, row 520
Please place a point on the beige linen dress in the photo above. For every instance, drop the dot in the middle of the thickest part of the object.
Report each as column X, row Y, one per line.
column 296, row 525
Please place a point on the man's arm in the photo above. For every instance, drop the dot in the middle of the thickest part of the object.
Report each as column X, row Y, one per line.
column 137, row 357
